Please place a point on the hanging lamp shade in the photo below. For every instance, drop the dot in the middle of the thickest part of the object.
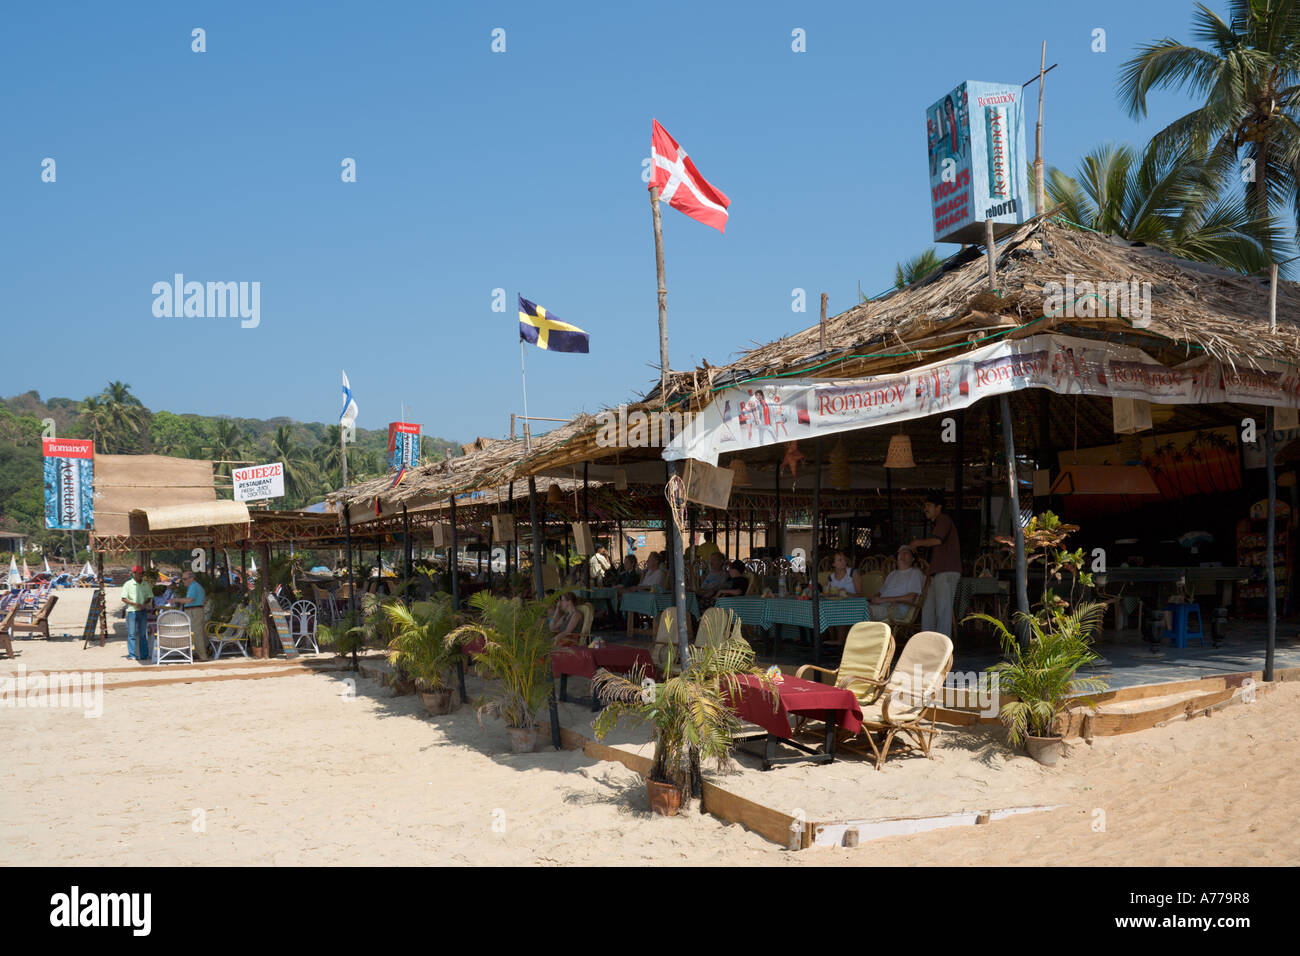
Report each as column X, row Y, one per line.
column 900, row 453
column 620, row 479
column 554, row 496
column 739, row 472
column 839, row 466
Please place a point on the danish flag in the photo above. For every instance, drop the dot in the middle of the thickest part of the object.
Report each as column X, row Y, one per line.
column 681, row 185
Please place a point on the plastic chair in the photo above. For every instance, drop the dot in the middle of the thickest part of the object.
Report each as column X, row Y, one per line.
column 302, row 625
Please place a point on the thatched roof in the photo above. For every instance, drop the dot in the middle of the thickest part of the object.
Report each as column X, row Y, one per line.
column 1197, row 309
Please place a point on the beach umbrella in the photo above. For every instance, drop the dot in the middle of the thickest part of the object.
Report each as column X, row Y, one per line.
column 252, row 565
column 14, row 579
column 47, row 563
column 27, row 575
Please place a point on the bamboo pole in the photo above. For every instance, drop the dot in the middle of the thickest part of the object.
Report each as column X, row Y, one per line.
column 679, row 571
column 1013, row 485
column 1270, row 573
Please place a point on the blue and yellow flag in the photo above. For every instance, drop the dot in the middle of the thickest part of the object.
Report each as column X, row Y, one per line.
column 548, row 332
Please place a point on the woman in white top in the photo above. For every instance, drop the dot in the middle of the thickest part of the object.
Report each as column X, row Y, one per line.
column 844, row 578
column 654, row 574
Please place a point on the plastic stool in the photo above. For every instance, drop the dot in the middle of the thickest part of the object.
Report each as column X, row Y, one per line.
column 1182, row 630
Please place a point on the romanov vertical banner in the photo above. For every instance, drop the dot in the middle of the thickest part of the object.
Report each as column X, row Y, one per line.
column 69, row 484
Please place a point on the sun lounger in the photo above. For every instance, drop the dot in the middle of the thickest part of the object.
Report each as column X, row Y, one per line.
column 37, row 622
column 6, row 619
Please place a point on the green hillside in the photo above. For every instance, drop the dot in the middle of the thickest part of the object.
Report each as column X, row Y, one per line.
column 120, row 424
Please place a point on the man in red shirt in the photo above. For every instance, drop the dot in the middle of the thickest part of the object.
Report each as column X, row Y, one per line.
column 945, row 567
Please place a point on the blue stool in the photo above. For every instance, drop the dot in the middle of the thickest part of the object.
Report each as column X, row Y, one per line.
column 1183, row 629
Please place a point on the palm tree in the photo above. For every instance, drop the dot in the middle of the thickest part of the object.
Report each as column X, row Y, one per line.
column 93, row 413
column 916, row 268
column 228, row 444
column 1249, row 80
column 300, row 475
column 123, row 417
column 1174, row 203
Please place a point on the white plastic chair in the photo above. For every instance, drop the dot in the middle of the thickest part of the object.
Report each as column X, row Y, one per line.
column 302, row 625
column 175, row 638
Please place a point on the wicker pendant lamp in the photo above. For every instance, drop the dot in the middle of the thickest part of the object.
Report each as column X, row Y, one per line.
column 900, row 452
column 839, row 467
column 554, row 496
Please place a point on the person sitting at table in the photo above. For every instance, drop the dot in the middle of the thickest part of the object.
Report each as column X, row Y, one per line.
column 654, row 574
column 630, row 577
column 599, row 565
column 737, row 584
column 716, row 576
column 903, row 586
column 566, row 622
column 844, row 578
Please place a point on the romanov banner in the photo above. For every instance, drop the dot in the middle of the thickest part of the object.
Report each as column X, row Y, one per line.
column 69, row 484
column 766, row 413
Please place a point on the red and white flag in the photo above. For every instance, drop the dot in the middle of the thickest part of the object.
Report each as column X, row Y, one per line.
column 681, row 185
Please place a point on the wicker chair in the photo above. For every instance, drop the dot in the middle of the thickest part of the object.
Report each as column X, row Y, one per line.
column 175, row 638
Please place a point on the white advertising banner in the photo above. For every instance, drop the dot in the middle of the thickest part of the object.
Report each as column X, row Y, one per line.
column 259, row 482
column 769, row 412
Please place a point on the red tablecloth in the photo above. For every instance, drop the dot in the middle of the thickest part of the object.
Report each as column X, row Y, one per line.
column 805, row 697
column 585, row 661
column 474, row 646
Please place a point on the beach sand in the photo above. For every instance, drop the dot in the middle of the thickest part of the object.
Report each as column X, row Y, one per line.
column 299, row 769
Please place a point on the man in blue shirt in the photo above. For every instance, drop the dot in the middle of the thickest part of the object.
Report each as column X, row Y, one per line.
column 192, row 603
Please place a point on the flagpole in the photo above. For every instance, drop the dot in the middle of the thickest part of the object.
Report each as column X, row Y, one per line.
column 679, row 557
column 343, row 447
column 523, row 378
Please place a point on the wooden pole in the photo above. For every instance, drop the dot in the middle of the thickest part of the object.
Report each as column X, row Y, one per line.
column 1013, row 486
column 103, row 599
column 815, row 557
column 1272, row 297
column 539, row 590
column 263, row 582
column 453, row 558
column 352, row 582
column 1040, row 189
column 1270, row 574
column 823, row 323
column 407, row 570
column 991, row 252
column 679, row 570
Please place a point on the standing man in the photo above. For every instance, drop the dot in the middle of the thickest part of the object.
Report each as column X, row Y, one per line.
column 192, row 604
column 599, row 565
column 138, row 598
column 945, row 567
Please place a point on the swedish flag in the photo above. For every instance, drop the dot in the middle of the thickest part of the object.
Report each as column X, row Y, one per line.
column 547, row 332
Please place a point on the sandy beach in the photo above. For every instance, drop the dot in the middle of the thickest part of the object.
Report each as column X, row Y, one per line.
column 326, row 768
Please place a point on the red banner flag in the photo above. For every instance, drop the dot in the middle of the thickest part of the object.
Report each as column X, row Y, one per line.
column 681, row 185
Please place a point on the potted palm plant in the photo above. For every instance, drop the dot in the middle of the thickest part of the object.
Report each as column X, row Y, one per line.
column 516, row 650
column 1040, row 677
column 347, row 636
column 419, row 649
column 689, row 712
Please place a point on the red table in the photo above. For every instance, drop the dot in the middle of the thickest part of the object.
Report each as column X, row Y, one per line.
column 585, row 661
column 836, row 706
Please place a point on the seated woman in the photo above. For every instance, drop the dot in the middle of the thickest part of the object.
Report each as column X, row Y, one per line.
column 566, row 622
column 654, row 576
column 629, row 577
column 844, row 578
column 903, row 586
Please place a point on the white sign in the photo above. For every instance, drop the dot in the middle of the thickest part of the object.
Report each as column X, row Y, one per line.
column 761, row 413
column 258, row 482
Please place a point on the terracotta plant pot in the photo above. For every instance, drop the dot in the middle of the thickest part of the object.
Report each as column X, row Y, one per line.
column 438, row 701
column 665, row 798
column 258, row 651
column 1046, row 750
column 523, row 740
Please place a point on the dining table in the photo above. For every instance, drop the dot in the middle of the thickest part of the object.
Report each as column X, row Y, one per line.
column 836, row 707
column 651, row 603
column 569, row 662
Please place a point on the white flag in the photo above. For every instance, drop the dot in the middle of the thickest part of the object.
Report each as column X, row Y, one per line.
column 348, row 418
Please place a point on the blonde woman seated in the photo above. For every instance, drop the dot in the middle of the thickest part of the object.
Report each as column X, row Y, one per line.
column 844, row 578
column 903, row 586
column 566, row 622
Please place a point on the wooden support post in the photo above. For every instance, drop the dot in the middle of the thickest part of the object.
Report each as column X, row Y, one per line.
column 1013, row 485
column 453, row 557
column 991, row 251
column 815, row 557
column 1270, row 573
column 264, row 591
column 539, row 589
column 823, row 324
column 407, row 570
column 103, row 599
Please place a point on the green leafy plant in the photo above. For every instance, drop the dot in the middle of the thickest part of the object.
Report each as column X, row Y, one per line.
column 689, row 711
column 347, row 635
column 1044, row 536
column 516, row 651
column 1040, row 677
column 419, row 645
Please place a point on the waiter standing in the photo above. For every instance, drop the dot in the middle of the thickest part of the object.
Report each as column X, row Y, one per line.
column 945, row 567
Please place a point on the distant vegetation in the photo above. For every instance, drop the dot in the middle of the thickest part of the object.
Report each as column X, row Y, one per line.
column 120, row 424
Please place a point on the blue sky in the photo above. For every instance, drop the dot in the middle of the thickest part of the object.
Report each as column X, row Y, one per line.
column 476, row 171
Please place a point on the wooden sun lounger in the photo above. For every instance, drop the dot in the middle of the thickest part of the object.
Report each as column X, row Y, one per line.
column 39, row 622
column 6, row 621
